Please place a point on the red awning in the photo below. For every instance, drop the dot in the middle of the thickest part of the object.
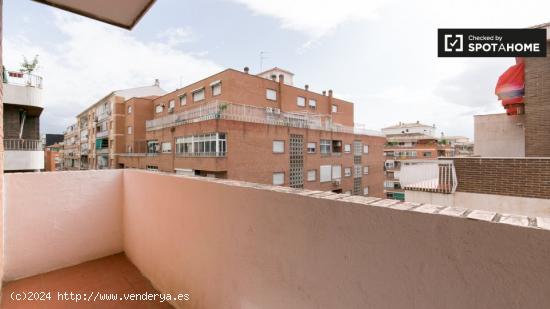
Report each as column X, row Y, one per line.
column 510, row 88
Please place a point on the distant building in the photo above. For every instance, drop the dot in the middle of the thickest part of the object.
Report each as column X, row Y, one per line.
column 236, row 125
column 99, row 134
column 22, row 97
column 49, row 139
column 408, row 142
column 53, row 160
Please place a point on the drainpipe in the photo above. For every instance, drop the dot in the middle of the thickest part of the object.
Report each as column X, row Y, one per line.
column 330, row 105
column 23, row 117
column 280, row 96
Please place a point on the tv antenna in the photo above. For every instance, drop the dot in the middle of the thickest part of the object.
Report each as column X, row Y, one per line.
column 262, row 57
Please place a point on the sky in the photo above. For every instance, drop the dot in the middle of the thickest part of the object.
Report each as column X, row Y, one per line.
column 381, row 55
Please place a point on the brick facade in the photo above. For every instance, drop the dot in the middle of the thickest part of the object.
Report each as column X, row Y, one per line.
column 537, row 106
column 523, row 177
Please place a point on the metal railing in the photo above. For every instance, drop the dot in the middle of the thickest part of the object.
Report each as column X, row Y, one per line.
column 437, row 176
column 102, row 133
column 22, row 144
column 247, row 113
column 201, row 154
column 22, row 79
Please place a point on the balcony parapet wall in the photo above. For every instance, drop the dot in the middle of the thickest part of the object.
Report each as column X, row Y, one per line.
column 521, row 177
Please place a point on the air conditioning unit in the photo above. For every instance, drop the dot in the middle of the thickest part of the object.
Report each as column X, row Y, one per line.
column 276, row 111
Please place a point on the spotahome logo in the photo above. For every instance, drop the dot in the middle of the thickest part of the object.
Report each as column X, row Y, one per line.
column 491, row 42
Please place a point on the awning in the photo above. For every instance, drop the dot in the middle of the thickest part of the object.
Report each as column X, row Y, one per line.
column 510, row 88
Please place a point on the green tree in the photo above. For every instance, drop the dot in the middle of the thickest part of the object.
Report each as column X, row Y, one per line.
column 29, row 66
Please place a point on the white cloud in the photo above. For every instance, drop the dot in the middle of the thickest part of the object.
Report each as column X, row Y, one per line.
column 96, row 59
column 177, row 35
column 314, row 17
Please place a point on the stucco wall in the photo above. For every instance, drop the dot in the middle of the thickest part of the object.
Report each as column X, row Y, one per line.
column 230, row 246
column 499, row 135
column 54, row 220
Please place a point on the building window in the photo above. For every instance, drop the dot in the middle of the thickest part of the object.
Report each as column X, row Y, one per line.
column 166, row 147
column 337, row 147
column 278, row 146
column 311, row 147
column 216, row 88
column 129, row 109
column 171, row 104
column 324, row 146
column 427, row 154
column 365, row 170
column 159, row 108
column 271, row 94
column 129, row 149
column 183, row 99
column 366, row 191
column 311, row 175
column 334, row 108
column 129, row 129
column 207, row 145
column 336, row 172
column 312, row 103
column 325, row 172
column 278, row 179
column 153, row 146
column 366, row 149
column 357, row 171
column 152, row 168
column 198, row 95
column 347, row 148
column 347, row 171
column 301, row 101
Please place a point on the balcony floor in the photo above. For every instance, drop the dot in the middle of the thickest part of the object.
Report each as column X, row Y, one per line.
column 112, row 274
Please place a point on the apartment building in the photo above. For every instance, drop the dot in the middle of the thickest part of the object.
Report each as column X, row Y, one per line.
column 70, row 154
column 406, row 143
column 23, row 151
column 257, row 128
column 99, row 132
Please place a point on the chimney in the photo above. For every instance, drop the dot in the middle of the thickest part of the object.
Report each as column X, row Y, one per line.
column 246, row 69
column 417, row 122
column 324, row 92
column 157, row 82
column 274, row 77
column 330, row 93
column 306, row 87
column 281, row 78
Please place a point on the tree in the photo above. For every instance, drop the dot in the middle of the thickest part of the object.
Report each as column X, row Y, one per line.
column 29, row 67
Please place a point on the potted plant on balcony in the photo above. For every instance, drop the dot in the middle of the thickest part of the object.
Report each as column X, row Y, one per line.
column 28, row 67
column 221, row 109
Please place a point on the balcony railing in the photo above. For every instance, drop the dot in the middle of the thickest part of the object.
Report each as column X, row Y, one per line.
column 22, row 144
column 22, row 79
column 429, row 175
column 102, row 134
column 247, row 113
column 201, row 154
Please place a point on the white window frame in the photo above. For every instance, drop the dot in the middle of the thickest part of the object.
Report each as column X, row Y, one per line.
column 325, row 173
column 278, row 146
column 129, row 130
column 278, row 178
column 334, row 108
column 366, row 191
column 271, row 94
column 347, row 172
column 159, row 108
column 129, row 109
column 216, row 88
column 323, row 144
column 301, row 101
column 183, row 99
column 365, row 170
column 366, row 149
column 336, row 172
column 312, row 103
column 197, row 97
column 171, row 104
column 347, row 148
column 314, row 147
column 311, row 175
column 166, row 147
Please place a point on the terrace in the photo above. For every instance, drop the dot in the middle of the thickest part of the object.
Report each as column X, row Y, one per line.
column 232, row 244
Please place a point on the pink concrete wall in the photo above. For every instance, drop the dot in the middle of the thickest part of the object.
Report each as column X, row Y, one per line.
column 242, row 247
column 58, row 219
